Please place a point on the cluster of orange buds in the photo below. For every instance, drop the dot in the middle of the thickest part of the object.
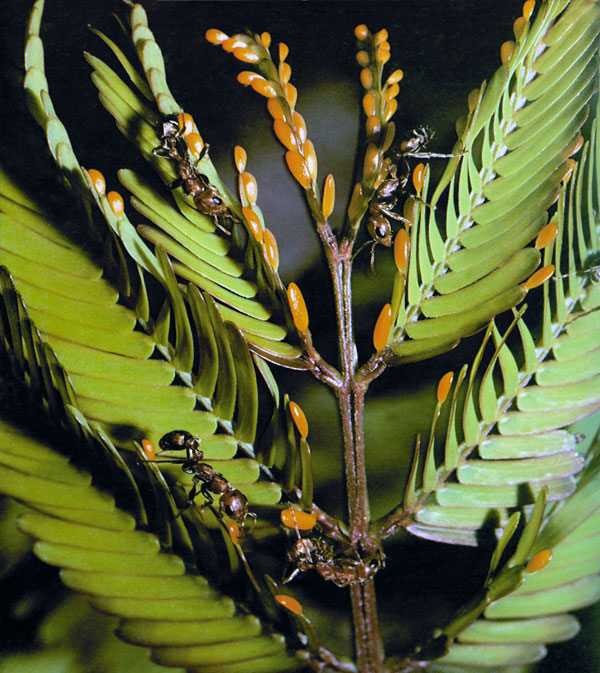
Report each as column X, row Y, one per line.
column 248, row 190
column 273, row 82
column 191, row 135
column 115, row 200
column 520, row 28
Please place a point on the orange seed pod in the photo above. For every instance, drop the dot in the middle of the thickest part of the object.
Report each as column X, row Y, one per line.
column 115, row 200
column 285, row 135
column 274, row 108
column 283, row 51
column 97, row 180
column 369, row 104
column 382, row 328
column 362, row 58
column 396, row 76
column 444, row 387
column 539, row 561
column 519, row 26
column 149, row 449
column 215, row 36
column 265, row 38
column 298, row 168
column 246, row 54
column 328, row 196
column 247, row 76
column 355, row 202
column 285, row 72
column 290, row 603
column 293, row 518
column 382, row 55
column 195, row 143
column 506, row 51
column 234, row 531
column 240, row 157
column 401, row 249
column 271, row 250
column 297, row 307
column 299, row 125
column 381, row 36
column 311, row 159
column 546, row 235
column 366, row 78
column 186, row 122
column 361, row 32
column 264, row 88
column 371, row 162
column 249, row 186
column 253, row 222
column 392, row 92
column 528, row 9
column 390, row 110
column 232, row 43
column 538, row 278
column 299, row 419
column 291, row 94
column 373, row 127
column 418, row 177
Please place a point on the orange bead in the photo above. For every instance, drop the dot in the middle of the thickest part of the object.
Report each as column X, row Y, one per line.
column 528, row 9
column 366, row 78
column 293, row 518
column 311, row 159
column 240, row 157
column 519, row 26
column 299, row 125
column 355, row 202
column 396, row 76
column 373, row 127
column 539, row 561
column 390, row 110
column 283, row 51
column 291, row 94
column 246, row 54
column 215, row 36
column 265, row 38
column 250, row 188
column 264, row 88
column 361, row 32
column 285, row 72
column 299, row 419
column 382, row 328
column 234, row 531
column 371, row 162
column 401, row 249
column 254, row 223
column 232, row 43
column 271, row 250
column 285, row 135
column 472, row 99
column 97, row 180
column 538, row 278
column 298, row 168
column 392, row 92
column 570, row 167
column 290, row 603
column 506, row 51
column 546, row 235
column 115, row 200
column 444, row 387
column 362, row 58
column 195, row 143
column 369, row 104
column 275, row 109
column 297, row 307
column 418, row 177
column 328, row 196
column 381, row 36
column 186, row 122
column 382, row 55
column 247, row 76
column 149, row 449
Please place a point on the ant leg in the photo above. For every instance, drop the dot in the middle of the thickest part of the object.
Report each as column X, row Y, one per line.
column 254, row 519
column 373, row 246
column 432, row 155
column 203, row 153
column 176, row 183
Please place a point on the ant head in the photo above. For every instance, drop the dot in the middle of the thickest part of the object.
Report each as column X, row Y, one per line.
column 168, row 126
column 181, row 440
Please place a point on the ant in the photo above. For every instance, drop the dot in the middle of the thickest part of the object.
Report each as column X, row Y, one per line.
column 232, row 502
column 382, row 205
column 207, row 198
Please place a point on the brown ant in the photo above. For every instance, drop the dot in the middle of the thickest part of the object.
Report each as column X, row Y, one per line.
column 207, row 198
column 232, row 502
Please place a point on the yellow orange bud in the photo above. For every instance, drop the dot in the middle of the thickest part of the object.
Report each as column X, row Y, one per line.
column 240, row 157
column 293, row 518
column 539, row 561
column 298, row 168
column 389, row 109
column 290, row 603
column 381, row 36
column 186, row 122
column 369, row 104
column 382, row 328
column 328, row 196
column 362, row 58
column 299, row 125
column 265, row 38
column 115, row 201
column 418, row 177
column 149, row 449
column 264, row 88
column 373, row 127
column 285, row 72
column 382, row 55
column 297, row 307
column 247, row 76
column 519, row 26
column 538, row 278
column 366, row 78
column 283, row 51
column 249, row 186
column 528, row 9
column 232, row 43
column 97, row 180
column 275, row 109
column 444, row 387
column 215, row 36
column 254, row 223
column 285, row 135
column 291, row 94
column 396, row 76
column 234, row 531
column 361, row 32
column 392, row 92
column 311, row 159
column 246, row 54
column 195, row 143
column 299, row 419
column 546, row 235
column 506, row 51
column 355, row 202
column 401, row 249
column 271, row 250
column 371, row 162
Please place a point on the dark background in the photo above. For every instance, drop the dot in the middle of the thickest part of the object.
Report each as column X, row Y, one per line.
column 445, row 47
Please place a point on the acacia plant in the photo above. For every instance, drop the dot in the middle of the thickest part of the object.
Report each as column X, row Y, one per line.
column 116, row 335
